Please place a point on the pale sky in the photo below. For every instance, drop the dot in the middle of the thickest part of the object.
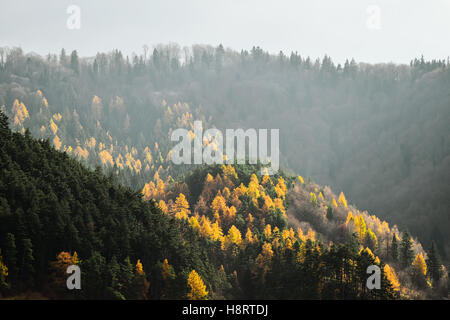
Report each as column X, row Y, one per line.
column 370, row 31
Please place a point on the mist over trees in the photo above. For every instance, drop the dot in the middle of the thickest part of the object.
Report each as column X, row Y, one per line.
column 378, row 132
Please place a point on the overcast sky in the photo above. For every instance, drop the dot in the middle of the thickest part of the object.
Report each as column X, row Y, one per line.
column 369, row 31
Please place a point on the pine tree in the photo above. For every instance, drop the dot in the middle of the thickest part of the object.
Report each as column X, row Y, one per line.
column 434, row 263
column 63, row 57
column 330, row 212
column 406, row 253
column 74, row 64
column 27, row 269
column 394, row 248
column 127, row 277
column 371, row 240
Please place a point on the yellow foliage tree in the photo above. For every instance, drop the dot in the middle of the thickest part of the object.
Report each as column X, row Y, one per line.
column 180, row 209
column 162, row 205
column 75, row 259
column 197, row 287
column 228, row 171
column 139, row 267
column 59, row 267
column 19, row 111
column 282, row 185
column 301, row 253
column 343, row 200
column 3, row 268
column 53, row 126
column 249, row 236
column 419, row 264
column 57, row 142
column 313, row 199
column 349, row 217
column 268, row 231
column 193, row 222
column 266, row 180
column 167, row 271
column 217, row 233
column 263, row 261
column 218, row 205
column 300, row 235
column 142, row 283
column 233, row 237
column 392, row 277
column 81, row 153
column 362, row 228
column 334, row 203
column 253, row 188
column 209, row 178
column 205, row 227
column 279, row 205
column 106, row 158
column 311, row 235
column 267, row 251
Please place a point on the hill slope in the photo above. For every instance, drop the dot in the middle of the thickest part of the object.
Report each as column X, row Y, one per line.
column 245, row 235
column 50, row 204
column 51, row 207
column 379, row 132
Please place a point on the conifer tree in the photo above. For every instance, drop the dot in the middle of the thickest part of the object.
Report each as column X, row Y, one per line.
column 394, row 248
column 406, row 253
column 434, row 263
column 27, row 269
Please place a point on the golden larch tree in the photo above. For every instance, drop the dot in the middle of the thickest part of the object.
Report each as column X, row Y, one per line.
column 419, row 264
column 196, row 286
column 343, row 200
column 392, row 277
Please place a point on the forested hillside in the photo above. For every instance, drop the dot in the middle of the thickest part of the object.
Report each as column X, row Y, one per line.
column 54, row 212
column 222, row 232
column 110, row 199
column 378, row 132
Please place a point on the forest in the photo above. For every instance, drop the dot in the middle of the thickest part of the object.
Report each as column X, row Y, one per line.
column 87, row 178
